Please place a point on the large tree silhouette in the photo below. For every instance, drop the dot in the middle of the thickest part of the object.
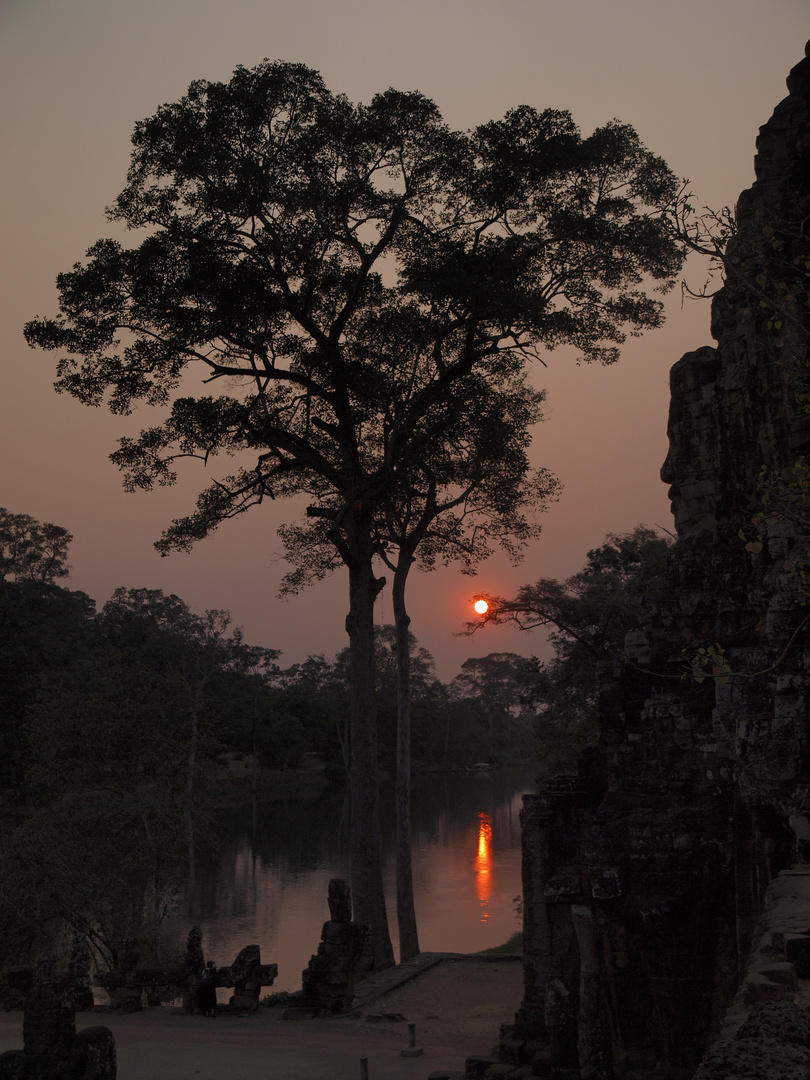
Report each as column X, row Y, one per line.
column 470, row 489
column 343, row 272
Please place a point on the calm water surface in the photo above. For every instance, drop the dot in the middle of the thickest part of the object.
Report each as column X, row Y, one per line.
column 270, row 881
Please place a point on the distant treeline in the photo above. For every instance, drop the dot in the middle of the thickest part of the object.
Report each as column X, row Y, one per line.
column 146, row 684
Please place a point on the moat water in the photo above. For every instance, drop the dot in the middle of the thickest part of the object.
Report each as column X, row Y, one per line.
column 269, row 883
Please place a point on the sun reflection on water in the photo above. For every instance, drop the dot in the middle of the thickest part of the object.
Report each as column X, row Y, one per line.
column 483, row 864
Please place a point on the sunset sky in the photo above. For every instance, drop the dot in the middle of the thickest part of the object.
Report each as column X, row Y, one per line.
column 695, row 78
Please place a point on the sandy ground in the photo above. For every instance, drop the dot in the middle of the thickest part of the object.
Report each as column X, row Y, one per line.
column 457, row 1007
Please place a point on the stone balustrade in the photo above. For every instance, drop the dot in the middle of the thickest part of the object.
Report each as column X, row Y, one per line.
column 52, row 1048
column 247, row 975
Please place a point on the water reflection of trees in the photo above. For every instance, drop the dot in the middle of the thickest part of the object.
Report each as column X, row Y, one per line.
column 292, row 837
column 443, row 805
column 295, row 837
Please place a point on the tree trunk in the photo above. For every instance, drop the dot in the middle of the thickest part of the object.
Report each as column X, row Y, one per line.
column 189, row 791
column 364, row 840
column 158, row 900
column 193, row 738
column 406, row 915
column 255, row 778
column 191, row 910
column 157, row 897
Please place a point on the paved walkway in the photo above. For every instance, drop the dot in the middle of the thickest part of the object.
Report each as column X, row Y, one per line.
column 383, row 982
column 167, row 1044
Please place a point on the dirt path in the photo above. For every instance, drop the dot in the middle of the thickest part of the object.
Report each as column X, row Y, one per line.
column 457, row 1007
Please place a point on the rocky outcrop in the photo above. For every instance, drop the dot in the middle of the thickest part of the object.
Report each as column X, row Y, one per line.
column 645, row 873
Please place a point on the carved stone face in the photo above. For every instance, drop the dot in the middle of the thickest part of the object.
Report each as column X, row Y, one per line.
column 692, row 465
column 668, row 476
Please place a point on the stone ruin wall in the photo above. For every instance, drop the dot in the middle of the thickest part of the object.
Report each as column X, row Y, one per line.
column 645, row 872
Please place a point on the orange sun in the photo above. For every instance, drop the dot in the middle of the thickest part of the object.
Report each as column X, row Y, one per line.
column 481, row 606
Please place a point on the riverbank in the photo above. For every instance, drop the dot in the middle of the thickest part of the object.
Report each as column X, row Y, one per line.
column 233, row 778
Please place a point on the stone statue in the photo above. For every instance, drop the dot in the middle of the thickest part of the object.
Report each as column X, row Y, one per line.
column 52, row 1050
column 328, row 982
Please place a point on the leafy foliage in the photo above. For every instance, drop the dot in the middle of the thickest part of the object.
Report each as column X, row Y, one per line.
column 494, row 684
column 31, row 550
column 88, row 864
column 587, row 616
column 102, row 711
column 42, row 627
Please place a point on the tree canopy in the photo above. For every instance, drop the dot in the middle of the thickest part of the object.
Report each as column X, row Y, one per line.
column 32, row 550
column 339, row 268
column 588, row 616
